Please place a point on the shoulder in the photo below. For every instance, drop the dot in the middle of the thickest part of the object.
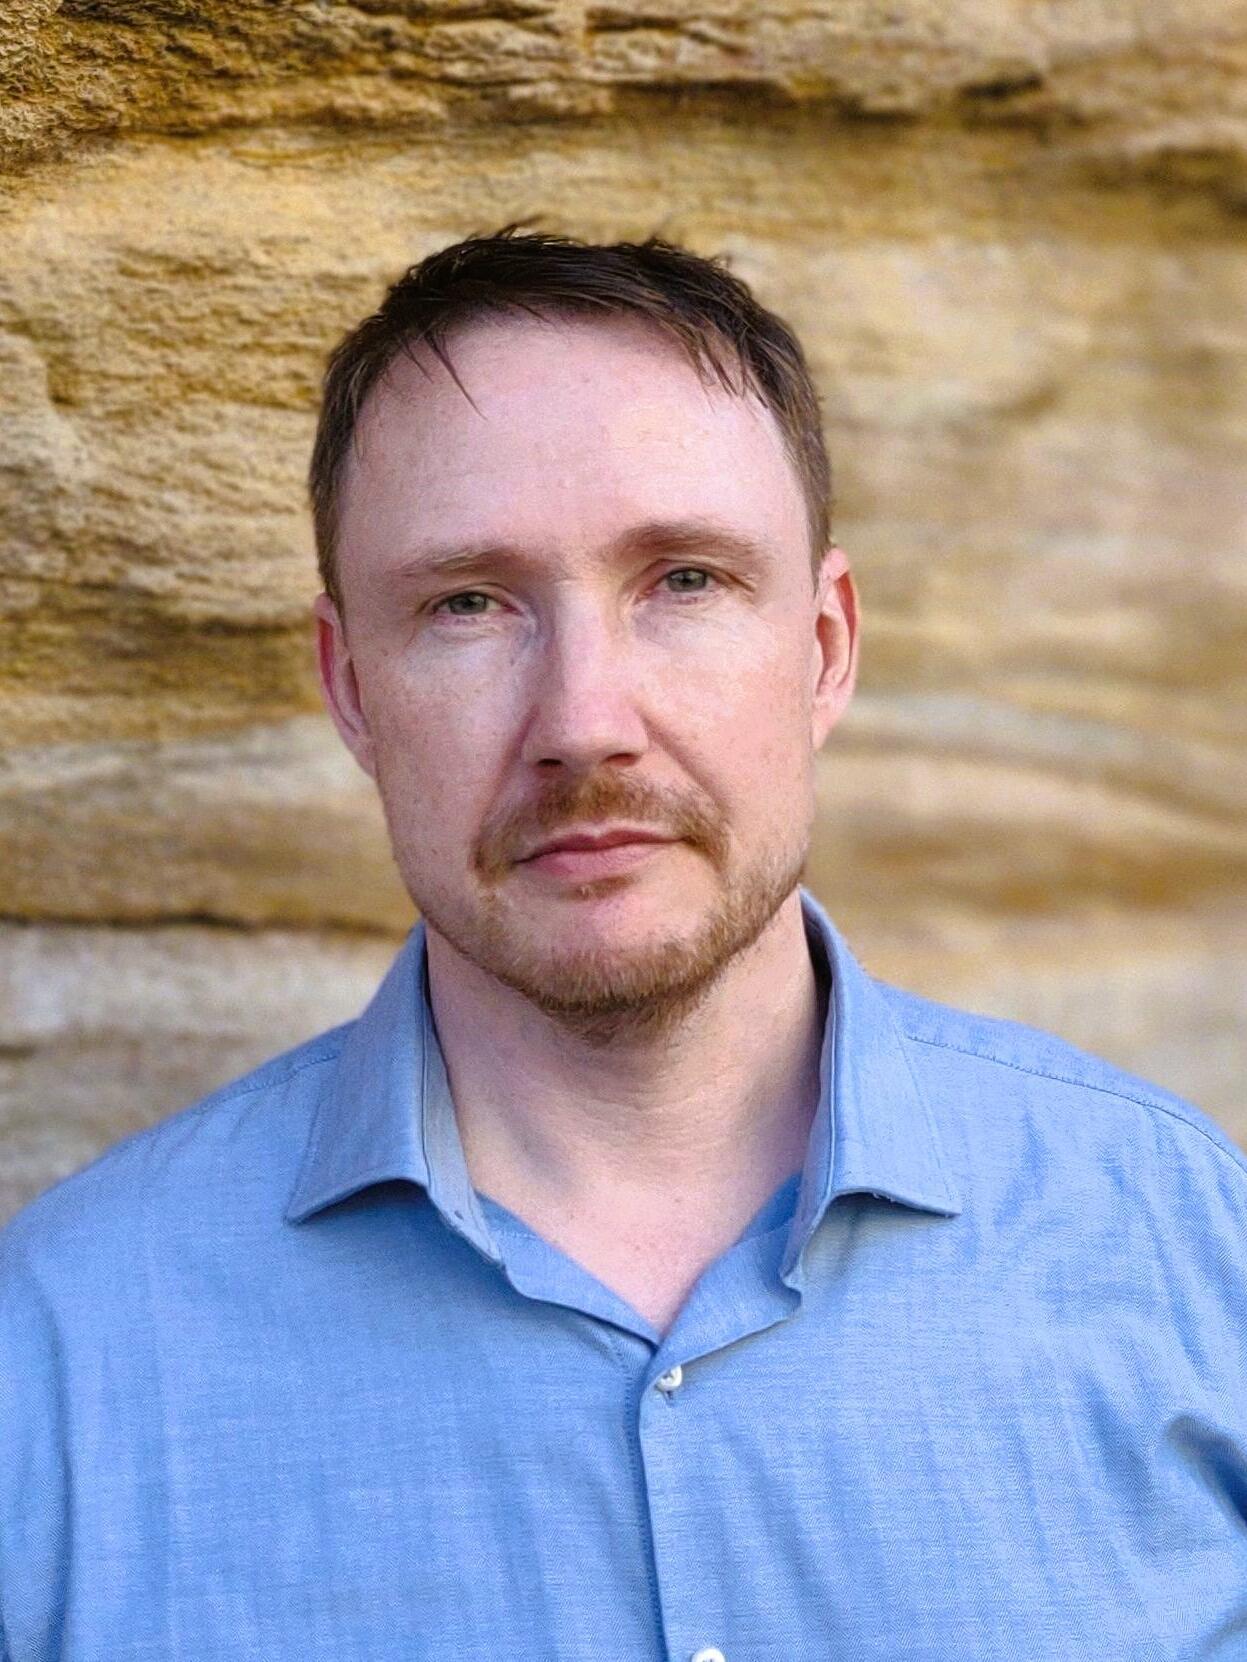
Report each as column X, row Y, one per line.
column 1024, row 1073
column 247, row 1130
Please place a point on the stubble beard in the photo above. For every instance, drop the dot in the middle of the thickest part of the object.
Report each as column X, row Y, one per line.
column 599, row 994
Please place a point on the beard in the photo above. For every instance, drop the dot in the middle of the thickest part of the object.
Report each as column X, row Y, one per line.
column 596, row 991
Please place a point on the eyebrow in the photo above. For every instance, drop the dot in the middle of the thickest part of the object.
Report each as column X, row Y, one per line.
column 656, row 538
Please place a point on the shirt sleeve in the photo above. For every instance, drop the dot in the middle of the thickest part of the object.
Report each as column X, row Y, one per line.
column 1205, row 1257
column 33, row 1490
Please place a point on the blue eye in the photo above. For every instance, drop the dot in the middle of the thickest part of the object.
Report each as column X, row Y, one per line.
column 688, row 580
column 465, row 604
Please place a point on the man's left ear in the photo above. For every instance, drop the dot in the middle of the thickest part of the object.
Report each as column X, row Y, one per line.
column 833, row 657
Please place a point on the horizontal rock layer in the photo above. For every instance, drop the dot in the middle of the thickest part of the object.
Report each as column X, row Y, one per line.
column 1140, row 90
column 920, row 798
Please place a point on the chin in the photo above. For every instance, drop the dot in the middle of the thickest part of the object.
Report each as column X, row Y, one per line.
column 603, row 991
column 619, row 957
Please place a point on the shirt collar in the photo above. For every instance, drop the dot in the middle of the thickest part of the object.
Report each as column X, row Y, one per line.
column 369, row 1123
column 386, row 1112
column 873, row 1131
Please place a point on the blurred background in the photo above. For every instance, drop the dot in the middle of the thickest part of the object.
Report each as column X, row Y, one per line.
column 1013, row 235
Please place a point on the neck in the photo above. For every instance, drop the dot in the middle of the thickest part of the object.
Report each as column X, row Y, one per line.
column 707, row 1118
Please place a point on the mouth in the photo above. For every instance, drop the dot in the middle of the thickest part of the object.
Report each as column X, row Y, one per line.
column 585, row 855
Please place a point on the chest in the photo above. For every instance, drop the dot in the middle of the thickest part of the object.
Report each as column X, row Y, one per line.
column 421, row 1478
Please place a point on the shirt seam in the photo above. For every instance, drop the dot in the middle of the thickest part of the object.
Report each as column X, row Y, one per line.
column 1234, row 1159
column 615, row 1345
column 633, row 1397
column 230, row 1093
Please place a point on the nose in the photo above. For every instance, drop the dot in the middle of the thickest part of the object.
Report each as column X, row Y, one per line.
column 584, row 711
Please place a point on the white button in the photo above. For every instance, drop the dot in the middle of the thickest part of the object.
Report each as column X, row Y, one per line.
column 668, row 1382
column 709, row 1654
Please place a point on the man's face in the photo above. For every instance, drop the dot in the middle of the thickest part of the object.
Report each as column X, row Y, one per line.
column 586, row 659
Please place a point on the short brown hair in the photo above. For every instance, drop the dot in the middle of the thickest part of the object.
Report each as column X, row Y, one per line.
column 709, row 312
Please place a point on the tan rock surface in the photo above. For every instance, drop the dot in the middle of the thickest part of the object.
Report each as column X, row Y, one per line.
column 1012, row 236
column 1158, row 84
column 267, row 825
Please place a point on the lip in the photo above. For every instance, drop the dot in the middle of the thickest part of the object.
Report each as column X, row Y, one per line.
column 586, row 855
column 578, row 842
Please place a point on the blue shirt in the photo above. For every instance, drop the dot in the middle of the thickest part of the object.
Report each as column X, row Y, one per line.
column 276, row 1385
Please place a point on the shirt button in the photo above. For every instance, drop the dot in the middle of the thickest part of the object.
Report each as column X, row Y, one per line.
column 709, row 1654
column 666, row 1383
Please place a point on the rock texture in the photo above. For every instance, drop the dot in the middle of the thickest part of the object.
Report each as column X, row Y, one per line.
column 1159, row 84
column 1014, row 238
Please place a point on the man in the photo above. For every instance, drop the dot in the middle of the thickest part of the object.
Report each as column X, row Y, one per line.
column 636, row 1278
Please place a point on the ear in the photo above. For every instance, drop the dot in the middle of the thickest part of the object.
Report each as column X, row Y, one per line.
column 834, row 655
column 338, row 683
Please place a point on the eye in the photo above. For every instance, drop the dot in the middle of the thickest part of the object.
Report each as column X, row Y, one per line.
column 470, row 603
column 688, row 580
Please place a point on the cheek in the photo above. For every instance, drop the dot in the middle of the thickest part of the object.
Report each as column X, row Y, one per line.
column 439, row 745
column 436, row 712
column 748, row 738
column 758, row 705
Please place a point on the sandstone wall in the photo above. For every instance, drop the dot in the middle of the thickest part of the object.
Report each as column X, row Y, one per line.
column 1012, row 233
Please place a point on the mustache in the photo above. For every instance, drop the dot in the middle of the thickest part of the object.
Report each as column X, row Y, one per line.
column 567, row 803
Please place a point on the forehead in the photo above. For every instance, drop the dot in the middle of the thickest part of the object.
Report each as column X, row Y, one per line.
column 562, row 431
